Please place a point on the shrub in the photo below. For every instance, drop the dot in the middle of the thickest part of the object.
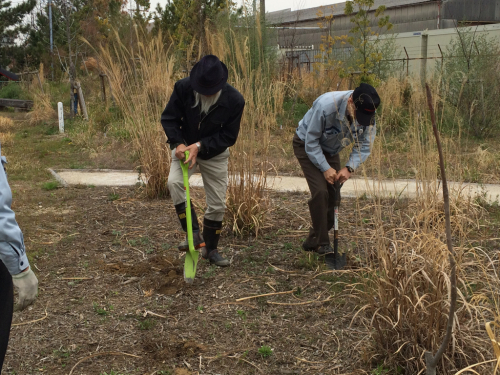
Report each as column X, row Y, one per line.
column 471, row 79
column 12, row 91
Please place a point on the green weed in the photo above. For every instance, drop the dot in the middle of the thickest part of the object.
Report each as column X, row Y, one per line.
column 50, row 185
column 113, row 197
column 265, row 351
column 146, row 324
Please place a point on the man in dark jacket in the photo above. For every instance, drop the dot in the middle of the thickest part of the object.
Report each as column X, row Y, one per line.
column 203, row 117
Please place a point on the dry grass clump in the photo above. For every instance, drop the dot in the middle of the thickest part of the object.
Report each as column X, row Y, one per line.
column 248, row 163
column 407, row 293
column 42, row 110
column 6, row 139
column 142, row 88
column 405, row 284
column 6, row 124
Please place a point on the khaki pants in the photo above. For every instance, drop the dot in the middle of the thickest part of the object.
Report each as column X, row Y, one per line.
column 321, row 203
column 214, row 175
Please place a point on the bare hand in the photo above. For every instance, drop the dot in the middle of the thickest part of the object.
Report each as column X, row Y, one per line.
column 343, row 175
column 330, row 175
column 179, row 152
column 193, row 152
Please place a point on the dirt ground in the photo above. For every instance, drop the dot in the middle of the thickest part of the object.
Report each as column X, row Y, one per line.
column 112, row 300
column 111, row 283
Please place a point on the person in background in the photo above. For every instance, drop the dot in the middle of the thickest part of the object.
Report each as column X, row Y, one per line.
column 203, row 117
column 15, row 270
column 335, row 120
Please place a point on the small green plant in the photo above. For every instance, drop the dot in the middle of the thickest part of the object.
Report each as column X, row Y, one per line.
column 61, row 353
column 113, row 196
column 199, row 308
column 265, row 351
column 146, row 324
column 380, row 370
column 210, row 272
column 102, row 310
column 242, row 314
column 50, row 185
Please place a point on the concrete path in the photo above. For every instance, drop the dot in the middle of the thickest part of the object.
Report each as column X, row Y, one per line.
column 355, row 187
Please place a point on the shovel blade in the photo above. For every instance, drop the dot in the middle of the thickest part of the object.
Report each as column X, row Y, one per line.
column 330, row 261
column 335, row 261
column 190, row 263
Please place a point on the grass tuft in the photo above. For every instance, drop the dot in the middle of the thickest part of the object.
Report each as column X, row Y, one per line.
column 50, row 185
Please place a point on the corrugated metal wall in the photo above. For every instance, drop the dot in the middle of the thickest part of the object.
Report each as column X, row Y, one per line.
column 419, row 16
column 437, row 41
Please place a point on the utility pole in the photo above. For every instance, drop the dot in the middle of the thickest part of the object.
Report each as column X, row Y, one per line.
column 131, row 10
column 51, row 41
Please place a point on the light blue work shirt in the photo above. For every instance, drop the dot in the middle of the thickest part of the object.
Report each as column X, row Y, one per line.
column 325, row 127
column 12, row 251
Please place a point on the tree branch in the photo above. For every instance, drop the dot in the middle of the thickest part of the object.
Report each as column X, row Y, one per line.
column 430, row 360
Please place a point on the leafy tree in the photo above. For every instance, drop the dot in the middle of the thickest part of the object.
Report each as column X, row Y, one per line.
column 11, row 27
column 471, row 78
column 184, row 21
column 365, row 42
column 95, row 20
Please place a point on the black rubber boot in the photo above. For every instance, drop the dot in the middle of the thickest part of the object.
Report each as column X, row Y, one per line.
column 324, row 249
column 198, row 240
column 211, row 233
column 310, row 244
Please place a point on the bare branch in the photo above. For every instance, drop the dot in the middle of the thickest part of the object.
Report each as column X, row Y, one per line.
column 430, row 360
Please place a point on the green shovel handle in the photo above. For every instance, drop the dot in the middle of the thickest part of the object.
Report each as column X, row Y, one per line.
column 185, row 176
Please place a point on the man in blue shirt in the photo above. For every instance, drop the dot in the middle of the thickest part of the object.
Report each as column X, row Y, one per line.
column 335, row 120
column 15, row 270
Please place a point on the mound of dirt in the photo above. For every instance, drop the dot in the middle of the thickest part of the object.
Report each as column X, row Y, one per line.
column 174, row 349
column 161, row 274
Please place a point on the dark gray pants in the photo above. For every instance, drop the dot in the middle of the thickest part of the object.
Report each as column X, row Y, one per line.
column 322, row 193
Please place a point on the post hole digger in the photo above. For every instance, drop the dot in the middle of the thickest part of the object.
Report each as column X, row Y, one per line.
column 191, row 260
column 335, row 261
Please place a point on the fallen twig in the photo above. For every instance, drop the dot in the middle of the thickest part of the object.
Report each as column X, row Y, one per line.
column 244, row 360
column 77, row 278
column 232, row 303
column 101, row 354
column 265, row 295
column 147, row 312
column 32, row 321
column 131, row 280
column 279, row 269
column 305, row 360
column 298, row 304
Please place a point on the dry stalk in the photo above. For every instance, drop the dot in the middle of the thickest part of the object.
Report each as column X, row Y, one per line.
column 432, row 361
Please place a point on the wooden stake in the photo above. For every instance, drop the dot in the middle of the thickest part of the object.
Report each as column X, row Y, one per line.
column 82, row 101
column 103, row 88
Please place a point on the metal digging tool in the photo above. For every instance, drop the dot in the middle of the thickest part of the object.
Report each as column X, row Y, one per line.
column 191, row 260
column 335, row 261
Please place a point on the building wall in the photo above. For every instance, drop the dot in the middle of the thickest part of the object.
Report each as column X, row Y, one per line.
column 406, row 16
column 412, row 41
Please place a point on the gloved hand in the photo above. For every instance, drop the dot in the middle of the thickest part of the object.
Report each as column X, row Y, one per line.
column 26, row 284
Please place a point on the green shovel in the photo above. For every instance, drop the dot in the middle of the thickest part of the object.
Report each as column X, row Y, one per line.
column 191, row 260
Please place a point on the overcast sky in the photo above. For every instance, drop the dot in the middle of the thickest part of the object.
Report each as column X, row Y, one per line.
column 273, row 5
